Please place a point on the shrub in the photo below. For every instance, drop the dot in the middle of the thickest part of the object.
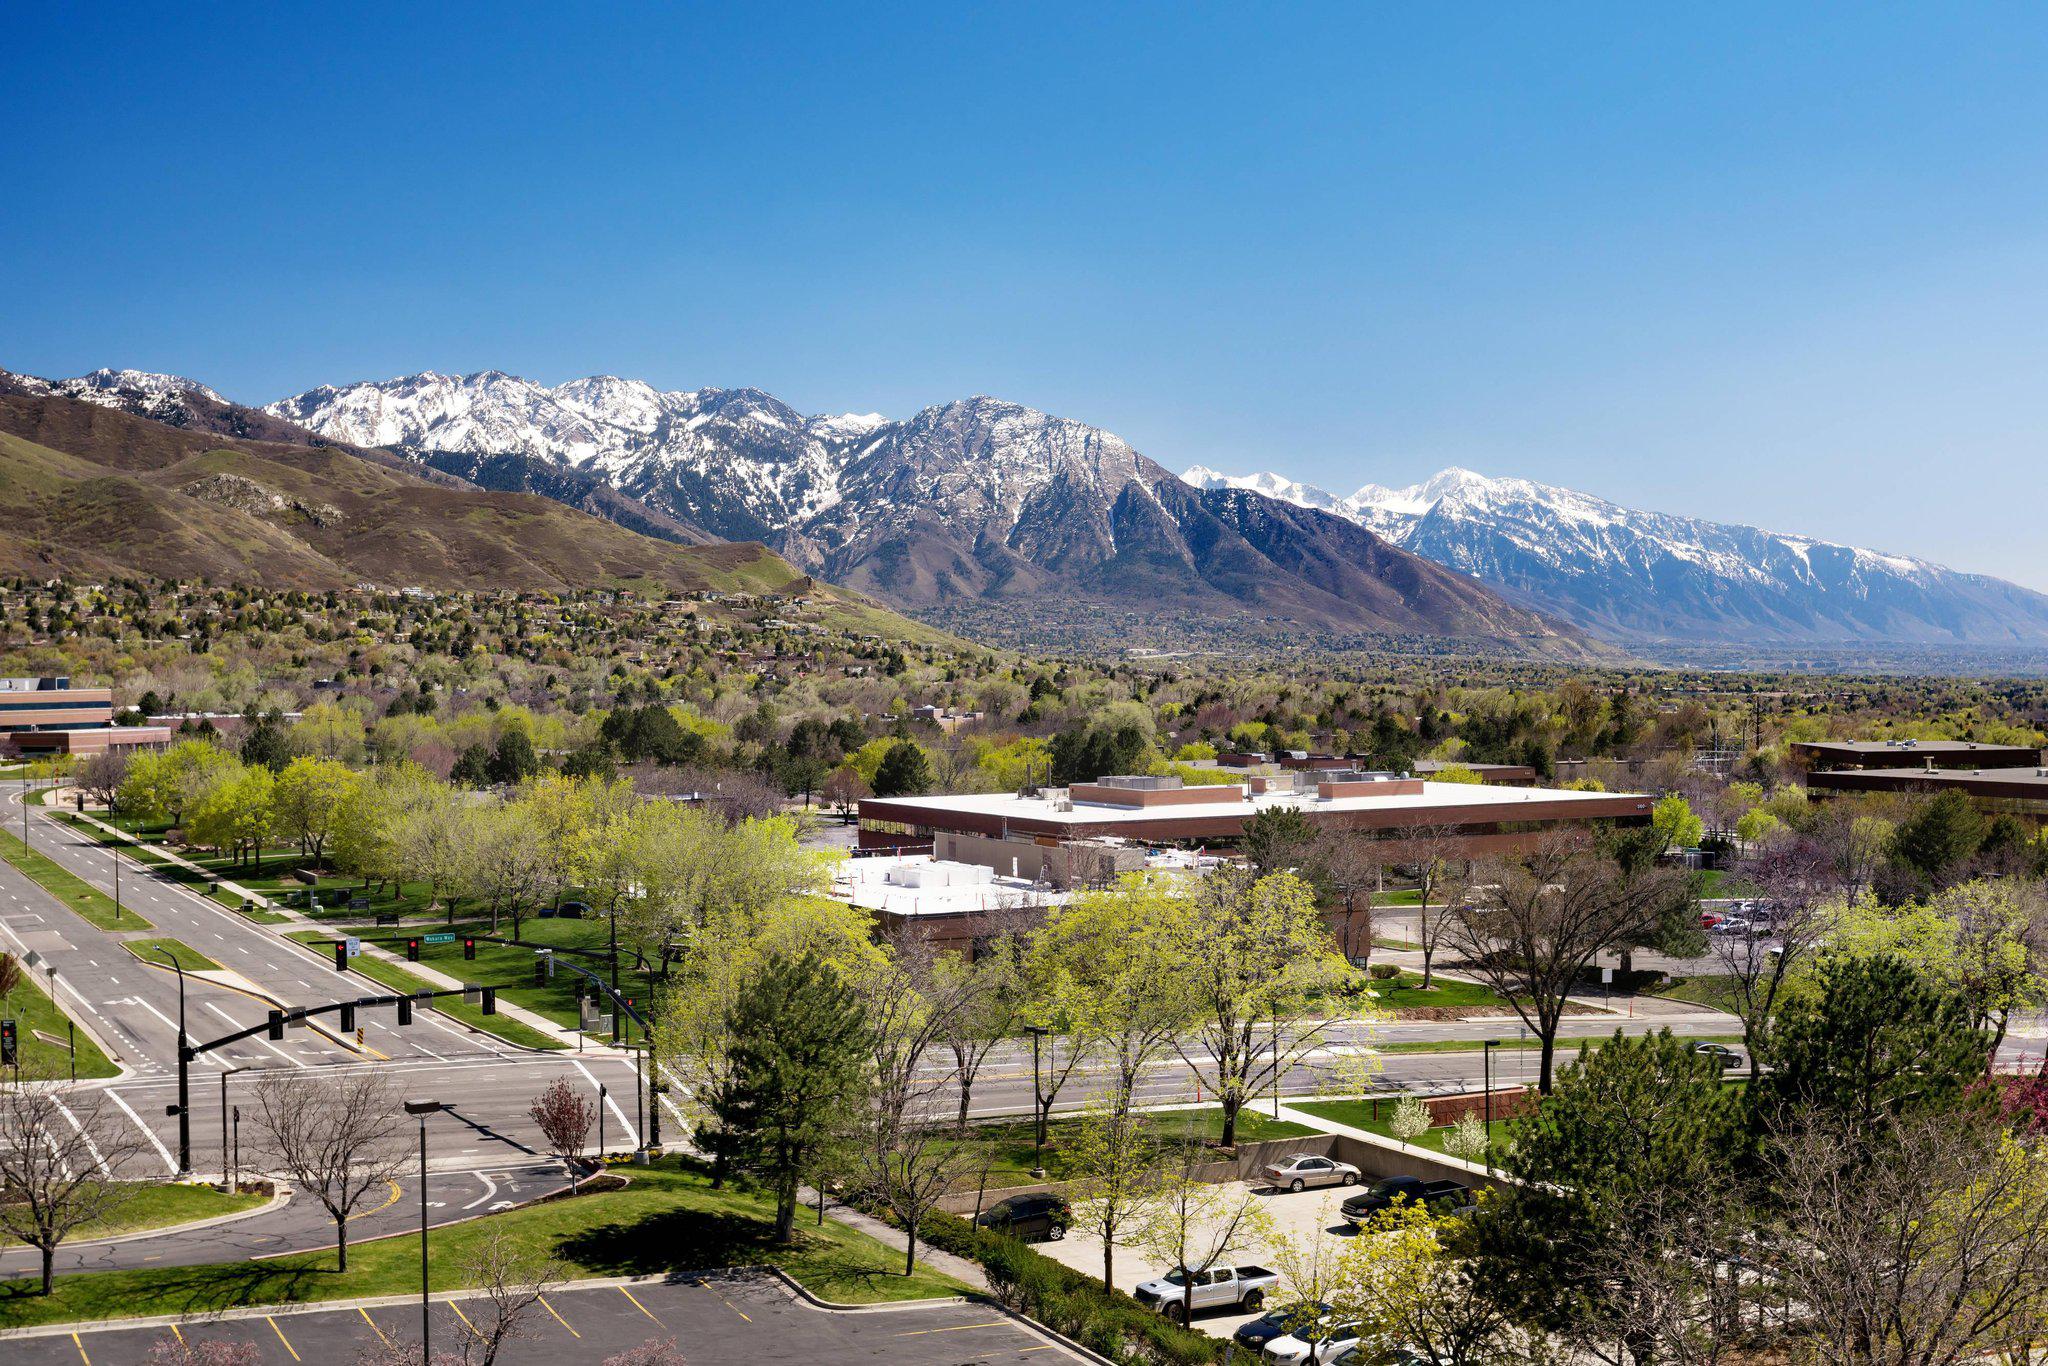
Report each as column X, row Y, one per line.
column 1385, row 972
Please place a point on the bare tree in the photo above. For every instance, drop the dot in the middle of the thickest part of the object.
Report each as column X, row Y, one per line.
column 1435, row 859
column 1930, row 1251
column 912, row 1001
column 1353, row 865
column 101, row 776
column 1540, row 921
column 988, row 1014
column 911, row 1163
column 653, row 1352
column 565, row 1117
column 62, row 1158
column 510, row 1279
column 340, row 1139
column 1194, row 1224
column 1794, row 875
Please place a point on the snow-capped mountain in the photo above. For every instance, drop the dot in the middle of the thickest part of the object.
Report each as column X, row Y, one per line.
column 976, row 500
column 1649, row 576
column 123, row 389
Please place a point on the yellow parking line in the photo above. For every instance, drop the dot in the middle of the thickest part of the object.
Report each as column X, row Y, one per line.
column 460, row 1315
column 373, row 1325
column 724, row 1301
column 637, row 1305
column 1043, row 1347
column 282, row 1338
column 81, row 1350
column 956, row 1328
column 176, row 1334
column 395, row 1193
column 558, row 1318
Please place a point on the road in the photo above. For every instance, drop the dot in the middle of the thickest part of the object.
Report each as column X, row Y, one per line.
column 716, row 1317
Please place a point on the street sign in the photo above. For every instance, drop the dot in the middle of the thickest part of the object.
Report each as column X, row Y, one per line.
column 354, row 946
column 439, row 939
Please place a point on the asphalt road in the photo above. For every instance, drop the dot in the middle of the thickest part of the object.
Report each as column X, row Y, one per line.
column 719, row 1317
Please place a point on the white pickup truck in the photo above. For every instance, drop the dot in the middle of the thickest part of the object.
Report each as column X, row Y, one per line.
column 1220, row 1287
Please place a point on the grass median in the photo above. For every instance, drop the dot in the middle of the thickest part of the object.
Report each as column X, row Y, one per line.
column 454, row 1007
column 666, row 1217
column 79, row 896
column 161, row 1204
column 152, row 951
column 42, row 1030
column 1377, row 1116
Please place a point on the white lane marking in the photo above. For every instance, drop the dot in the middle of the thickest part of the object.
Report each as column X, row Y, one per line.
column 147, row 1132
column 490, row 1189
column 632, row 1134
column 98, row 1159
column 253, row 1038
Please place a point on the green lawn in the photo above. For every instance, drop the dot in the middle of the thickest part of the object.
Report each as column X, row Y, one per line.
column 667, row 1217
column 88, row 902
column 1374, row 1116
column 454, row 1007
column 159, row 1204
column 1710, row 991
column 1405, row 992
column 37, row 1022
column 1007, row 1147
column 1716, row 882
column 187, row 957
column 1565, row 1047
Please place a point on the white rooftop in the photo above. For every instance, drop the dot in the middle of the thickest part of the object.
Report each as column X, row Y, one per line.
column 1055, row 807
column 918, row 884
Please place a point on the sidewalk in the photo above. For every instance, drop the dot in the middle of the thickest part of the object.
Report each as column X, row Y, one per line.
column 293, row 919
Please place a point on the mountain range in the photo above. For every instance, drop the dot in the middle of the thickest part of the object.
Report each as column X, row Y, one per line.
column 985, row 506
column 93, row 488
column 975, row 502
column 1648, row 578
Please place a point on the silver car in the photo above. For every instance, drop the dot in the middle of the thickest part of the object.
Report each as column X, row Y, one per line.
column 1303, row 1170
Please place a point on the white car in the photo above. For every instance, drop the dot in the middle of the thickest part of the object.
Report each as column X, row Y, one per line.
column 1303, row 1170
column 1326, row 1342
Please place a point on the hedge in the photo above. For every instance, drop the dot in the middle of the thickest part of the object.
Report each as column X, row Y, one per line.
column 1068, row 1302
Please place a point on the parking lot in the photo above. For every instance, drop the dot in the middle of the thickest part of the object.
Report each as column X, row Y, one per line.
column 1312, row 1213
column 720, row 1317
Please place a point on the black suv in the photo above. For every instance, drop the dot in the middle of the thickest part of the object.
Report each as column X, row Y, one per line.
column 1029, row 1216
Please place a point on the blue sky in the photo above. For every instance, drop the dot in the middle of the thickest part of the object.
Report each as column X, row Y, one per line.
column 1763, row 263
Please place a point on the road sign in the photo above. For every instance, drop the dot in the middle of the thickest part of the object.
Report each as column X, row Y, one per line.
column 354, row 946
column 440, row 939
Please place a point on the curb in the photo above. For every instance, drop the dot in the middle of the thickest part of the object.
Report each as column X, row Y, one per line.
column 277, row 1201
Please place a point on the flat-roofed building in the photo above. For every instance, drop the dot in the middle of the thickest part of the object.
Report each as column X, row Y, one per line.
column 45, row 716
column 1827, row 756
column 993, row 828
column 2020, row 790
column 1500, row 775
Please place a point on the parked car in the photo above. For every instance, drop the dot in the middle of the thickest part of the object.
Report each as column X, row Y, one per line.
column 1220, row 1287
column 1278, row 1323
column 1323, row 1343
column 1397, row 1356
column 1029, row 1216
column 1720, row 1052
column 1385, row 1194
column 1299, row 1172
column 574, row 910
column 1733, row 924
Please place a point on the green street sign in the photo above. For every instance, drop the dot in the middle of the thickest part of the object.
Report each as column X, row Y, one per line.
column 439, row 939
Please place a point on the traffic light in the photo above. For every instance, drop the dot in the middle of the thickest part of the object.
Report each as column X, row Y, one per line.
column 8, row 1057
column 348, row 1017
column 540, row 972
column 405, row 1010
column 412, row 950
column 469, row 948
column 276, row 1025
column 340, row 956
column 490, row 1000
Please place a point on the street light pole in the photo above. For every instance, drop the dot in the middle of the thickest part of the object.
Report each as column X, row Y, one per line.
column 115, row 850
column 1486, row 1054
column 185, row 1056
column 1037, row 1032
column 423, row 1108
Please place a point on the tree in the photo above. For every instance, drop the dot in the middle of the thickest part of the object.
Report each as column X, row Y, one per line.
column 1252, row 960
column 1939, row 838
column 1115, row 1160
column 340, row 1139
column 1435, row 859
column 1793, row 874
column 179, row 1351
column 63, row 1159
column 308, row 797
column 1278, row 839
column 653, row 1352
column 266, row 745
column 1871, row 1041
column 1106, row 972
column 236, row 814
column 1540, row 921
column 904, row 771
column 910, row 1165
column 991, row 1001
column 100, row 777
column 1672, row 818
column 797, row 1072
column 1407, row 1284
column 513, row 759
column 564, row 1116
column 1193, row 1225
column 844, row 789
column 510, row 1279
column 1628, row 1158
column 1925, row 1247
column 472, row 766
